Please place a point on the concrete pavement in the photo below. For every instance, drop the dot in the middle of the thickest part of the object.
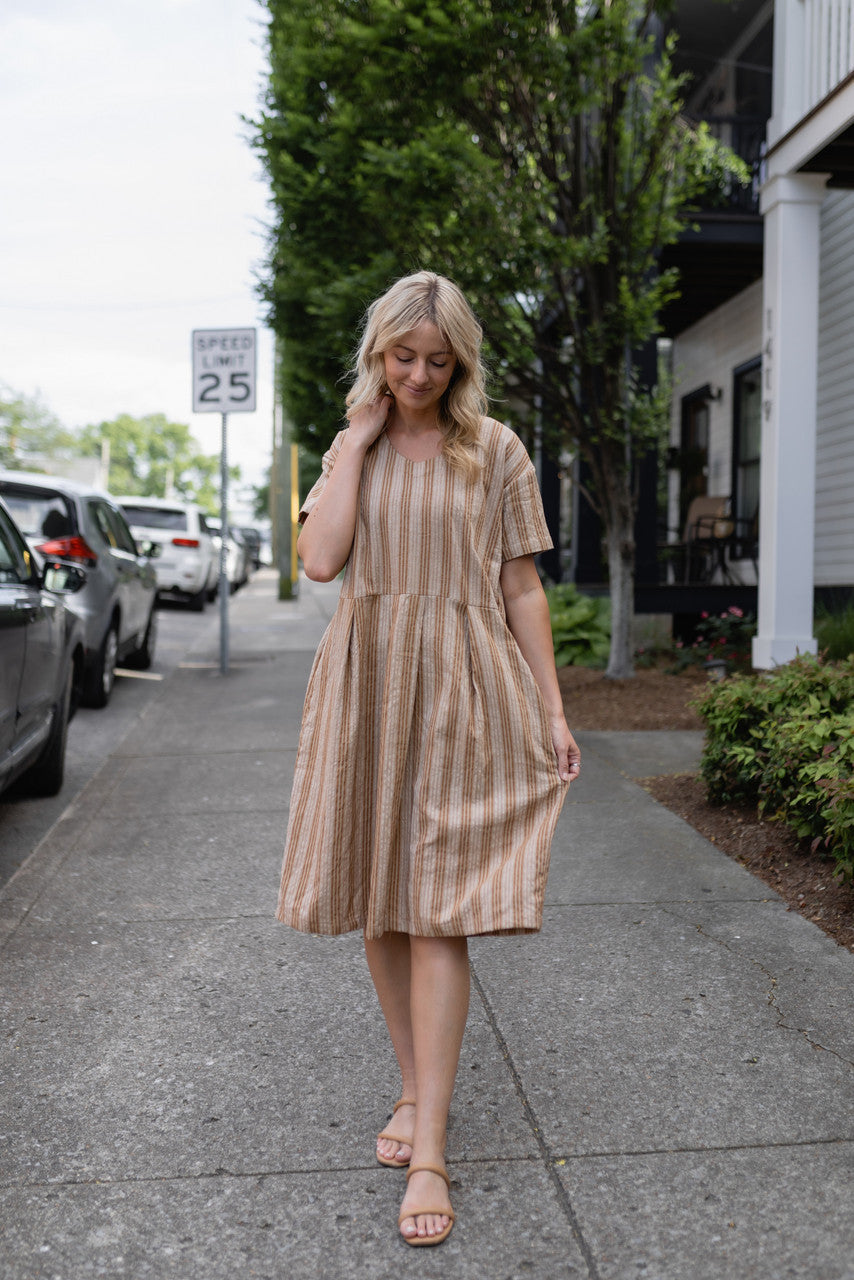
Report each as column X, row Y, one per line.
column 659, row 1085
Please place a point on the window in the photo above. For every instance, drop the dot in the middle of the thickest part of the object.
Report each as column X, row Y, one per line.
column 122, row 536
column 39, row 513
column 101, row 516
column 694, row 450
column 155, row 517
column 15, row 561
column 747, row 434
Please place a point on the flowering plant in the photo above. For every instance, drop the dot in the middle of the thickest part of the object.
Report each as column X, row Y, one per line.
column 723, row 637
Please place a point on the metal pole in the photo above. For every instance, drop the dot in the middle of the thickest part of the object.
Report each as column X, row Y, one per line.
column 223, row 553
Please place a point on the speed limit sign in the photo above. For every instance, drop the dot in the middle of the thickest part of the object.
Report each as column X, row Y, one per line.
column 223, row 371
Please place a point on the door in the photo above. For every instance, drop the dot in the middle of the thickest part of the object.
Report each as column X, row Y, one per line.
column 31, row 649
column 126, row 569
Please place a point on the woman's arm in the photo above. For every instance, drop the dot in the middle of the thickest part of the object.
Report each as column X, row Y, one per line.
column 327, row 535
column 528, row 619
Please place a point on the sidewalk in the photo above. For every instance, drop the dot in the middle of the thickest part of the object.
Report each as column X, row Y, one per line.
column 657, row 1086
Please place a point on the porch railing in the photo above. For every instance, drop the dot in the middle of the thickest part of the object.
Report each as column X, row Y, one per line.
column 745, row 135
column 828, row 47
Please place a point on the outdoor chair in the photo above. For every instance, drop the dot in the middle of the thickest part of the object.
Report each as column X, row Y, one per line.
column 701, row 551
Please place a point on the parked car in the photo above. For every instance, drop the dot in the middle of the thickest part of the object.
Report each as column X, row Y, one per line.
column 238, row 560
column 41, row 661
column 252, row 538
column 67, row 521
column 187, row 566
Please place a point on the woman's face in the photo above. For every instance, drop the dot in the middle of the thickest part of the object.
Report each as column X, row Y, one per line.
column 419, row 367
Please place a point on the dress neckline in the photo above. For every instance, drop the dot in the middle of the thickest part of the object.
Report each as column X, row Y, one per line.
column 415, row 462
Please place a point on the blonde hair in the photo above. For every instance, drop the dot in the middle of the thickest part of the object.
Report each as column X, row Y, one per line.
column 408, row 303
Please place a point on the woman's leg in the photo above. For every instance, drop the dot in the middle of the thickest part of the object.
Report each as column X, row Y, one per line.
column 439, row 999
column 389, row 964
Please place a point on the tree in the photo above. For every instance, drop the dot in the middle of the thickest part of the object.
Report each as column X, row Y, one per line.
column 535, row 153
column 260, row 497
column 156, row 458
column 29, row 433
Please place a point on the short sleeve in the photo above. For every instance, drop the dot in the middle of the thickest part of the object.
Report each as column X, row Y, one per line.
column 524, row 528
column 317, row 488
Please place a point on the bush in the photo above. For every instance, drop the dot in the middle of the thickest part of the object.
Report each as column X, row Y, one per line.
column 785, row 741
column 581, row 626
column 834, row 629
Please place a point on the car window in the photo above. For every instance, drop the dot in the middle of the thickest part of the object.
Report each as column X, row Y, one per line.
column 122, row 534
column 100, row 513
column 39, row 515
column 16, row 563
column 203, row 523
column 155, row 517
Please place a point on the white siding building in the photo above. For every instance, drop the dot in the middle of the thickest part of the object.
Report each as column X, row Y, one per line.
column 764, row 383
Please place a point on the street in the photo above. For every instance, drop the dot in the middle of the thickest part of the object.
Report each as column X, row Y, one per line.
column 95, row 734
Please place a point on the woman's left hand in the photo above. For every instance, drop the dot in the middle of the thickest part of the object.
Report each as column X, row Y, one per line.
column 566, row 749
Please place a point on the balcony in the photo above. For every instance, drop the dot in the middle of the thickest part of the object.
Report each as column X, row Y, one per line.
column 812, row 126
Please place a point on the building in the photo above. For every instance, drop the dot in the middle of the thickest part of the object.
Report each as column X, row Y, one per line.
column 763, row 406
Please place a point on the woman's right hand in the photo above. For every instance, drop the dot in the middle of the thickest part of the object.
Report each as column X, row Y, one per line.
column 369, row 422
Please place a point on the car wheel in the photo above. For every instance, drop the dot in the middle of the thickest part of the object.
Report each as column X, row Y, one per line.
column 102, row 677
column 46, row 775
column 197, row 602
column 213, row 592
column 142, row 658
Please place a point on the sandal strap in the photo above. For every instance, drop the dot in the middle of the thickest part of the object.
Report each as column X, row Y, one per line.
column 402, row 1102
column 428, row 1168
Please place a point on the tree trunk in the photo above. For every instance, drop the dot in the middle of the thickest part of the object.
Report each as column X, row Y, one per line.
column 620, row 541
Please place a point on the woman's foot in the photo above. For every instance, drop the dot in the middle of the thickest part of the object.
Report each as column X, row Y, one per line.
column 394, row 1146
column 426, row 1189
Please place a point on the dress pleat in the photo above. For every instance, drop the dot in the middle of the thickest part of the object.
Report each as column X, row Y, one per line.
column 426, row 789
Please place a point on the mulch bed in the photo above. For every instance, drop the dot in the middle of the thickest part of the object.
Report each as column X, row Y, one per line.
column 654, row 699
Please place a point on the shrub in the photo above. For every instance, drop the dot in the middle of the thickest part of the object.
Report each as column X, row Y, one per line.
column 785, row 741
column 581, row 626
column 834, row 629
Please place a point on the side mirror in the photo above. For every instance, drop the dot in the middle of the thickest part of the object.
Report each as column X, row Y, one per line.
column 62, row 578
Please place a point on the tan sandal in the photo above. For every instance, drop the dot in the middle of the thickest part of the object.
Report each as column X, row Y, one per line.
column 392, row 1137
column 417, row 1213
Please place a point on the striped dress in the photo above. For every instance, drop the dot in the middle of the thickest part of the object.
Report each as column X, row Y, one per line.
column 426, row 789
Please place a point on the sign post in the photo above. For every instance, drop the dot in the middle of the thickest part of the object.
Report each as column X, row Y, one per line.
column 224, row 376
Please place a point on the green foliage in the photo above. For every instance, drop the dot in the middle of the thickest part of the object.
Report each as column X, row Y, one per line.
column 537, row 154
column 261, row 498
column 581, row 626
column 834, row 629
column 785, row 741
column 30, row 435
column 153, row 457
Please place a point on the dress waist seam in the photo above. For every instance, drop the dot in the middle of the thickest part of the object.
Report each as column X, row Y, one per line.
column 419, row 595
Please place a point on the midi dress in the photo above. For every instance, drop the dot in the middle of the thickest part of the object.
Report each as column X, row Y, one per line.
column 426, row 789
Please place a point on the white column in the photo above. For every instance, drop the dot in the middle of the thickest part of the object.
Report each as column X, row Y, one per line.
column 791, row 53
column 791, row 204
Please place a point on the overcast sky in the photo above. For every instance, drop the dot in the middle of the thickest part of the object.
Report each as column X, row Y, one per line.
column 132, row 207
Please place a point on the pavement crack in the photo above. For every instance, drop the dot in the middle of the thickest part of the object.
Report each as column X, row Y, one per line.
column 772, row 988
column 549, row 1159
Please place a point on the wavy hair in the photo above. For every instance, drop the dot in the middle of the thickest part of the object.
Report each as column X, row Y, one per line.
column 409, row 302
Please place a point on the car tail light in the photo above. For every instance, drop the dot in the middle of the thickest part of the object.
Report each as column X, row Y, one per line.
column 185, row 542
column 75, row 548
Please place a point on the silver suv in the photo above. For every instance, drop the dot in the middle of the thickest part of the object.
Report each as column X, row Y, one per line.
column 64, row 520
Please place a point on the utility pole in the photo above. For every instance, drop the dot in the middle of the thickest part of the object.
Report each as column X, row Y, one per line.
column 283, row 481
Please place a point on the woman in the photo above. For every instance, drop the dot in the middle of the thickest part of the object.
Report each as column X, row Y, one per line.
column 434, row 755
